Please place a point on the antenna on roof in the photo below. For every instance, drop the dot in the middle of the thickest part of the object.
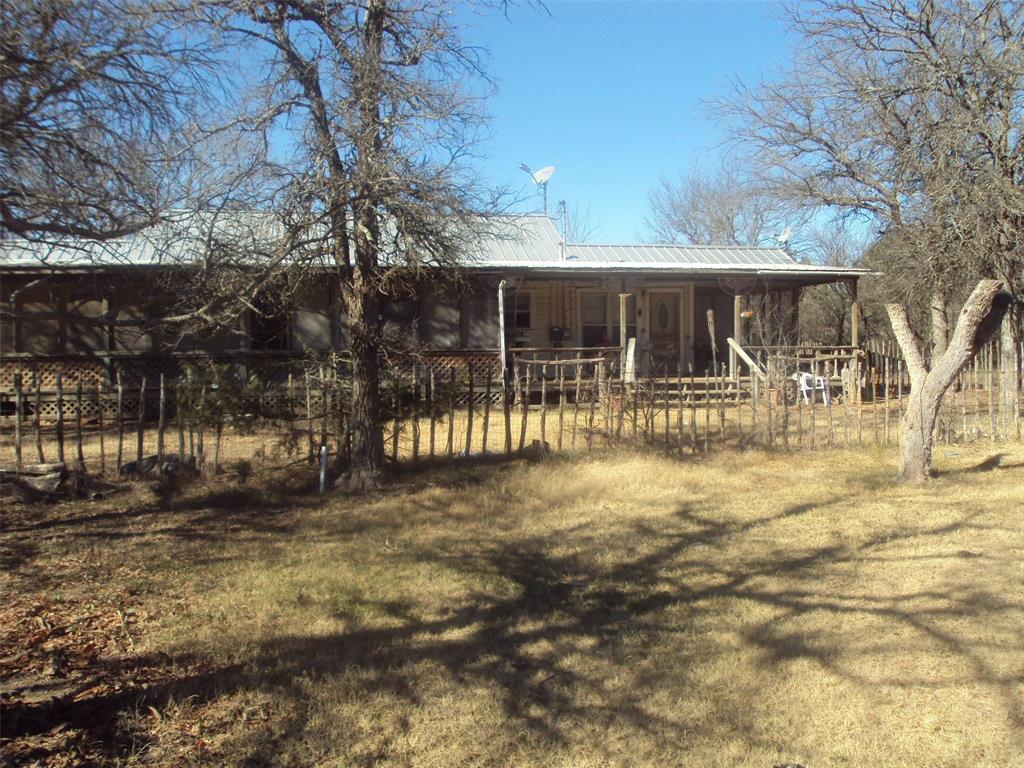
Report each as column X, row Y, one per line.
column 541, row 178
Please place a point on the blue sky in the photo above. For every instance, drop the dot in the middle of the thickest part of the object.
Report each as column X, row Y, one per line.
column 610, row 94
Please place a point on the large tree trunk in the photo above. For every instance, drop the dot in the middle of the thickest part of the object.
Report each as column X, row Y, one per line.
column 916, row 434
column 366, row 470
column 979, row 320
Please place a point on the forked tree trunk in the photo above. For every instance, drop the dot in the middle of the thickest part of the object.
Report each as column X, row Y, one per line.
column 979, row 320
column 939, row 307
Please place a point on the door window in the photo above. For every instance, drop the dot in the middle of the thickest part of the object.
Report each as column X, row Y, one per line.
column 663, row 316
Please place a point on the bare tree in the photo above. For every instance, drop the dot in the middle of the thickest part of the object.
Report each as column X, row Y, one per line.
column 725, row 207
column 578, row 222
column 909, row 115
column 825, row 309
column 382, row 104
column 979, row 321
column 97, row 100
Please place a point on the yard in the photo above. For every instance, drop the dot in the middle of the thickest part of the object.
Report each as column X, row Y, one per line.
column 613, row 608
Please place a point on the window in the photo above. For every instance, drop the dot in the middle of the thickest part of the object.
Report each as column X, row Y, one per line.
column 522, row 311
column 599, row 319
column 594, row 320
column 268, row 324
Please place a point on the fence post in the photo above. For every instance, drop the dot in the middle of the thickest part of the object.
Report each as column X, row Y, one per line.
column 885, row 395
column 161, row 422
column 814, row 406
column 100, row 426
column 525, row 397
column 450, row 446
column 543, row 407
column 487, row 405
column 606, row 395
column 289, row 394
column 37, row 419
column 469, row 407
column 323, row 468
column 681, row 420
column 721, row 402
column 325, row 406
column 180, row 419
column 755, row 385
column 201, row 437
column 416, row 413
column 707, row 409
column 120, row 422
column 396, row 423
column 218, row 430
column 593, row 405
column 636, row 409
column 576, row 404
column 19, row 413
column 79, row 403
column 60, row 418
column 828, row 409
column 140, row 428
column 799, row 413
column 430, row 408
column 993, row 420
column 506, row 412
column 668, row 416
column 309, row 419
column 561, row 404
column 693, row 409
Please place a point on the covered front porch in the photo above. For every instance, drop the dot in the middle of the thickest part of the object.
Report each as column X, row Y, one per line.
column 662, row 325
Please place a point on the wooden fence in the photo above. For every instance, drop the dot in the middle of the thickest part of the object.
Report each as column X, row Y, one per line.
column 448, row 410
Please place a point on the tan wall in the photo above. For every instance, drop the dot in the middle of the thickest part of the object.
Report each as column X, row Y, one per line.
column 438, row 322
column 311, row 326
column 39, row 336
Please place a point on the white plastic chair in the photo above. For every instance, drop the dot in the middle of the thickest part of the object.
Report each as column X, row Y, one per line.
column 808, row 382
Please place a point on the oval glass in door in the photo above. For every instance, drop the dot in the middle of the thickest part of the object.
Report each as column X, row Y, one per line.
column 662, row 316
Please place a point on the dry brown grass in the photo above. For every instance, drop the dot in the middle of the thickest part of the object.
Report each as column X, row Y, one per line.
column 617, row 609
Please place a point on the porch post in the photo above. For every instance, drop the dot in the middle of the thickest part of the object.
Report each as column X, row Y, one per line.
column 737, row 333
column 854, row 315
column 501, row 335
column 623, row 304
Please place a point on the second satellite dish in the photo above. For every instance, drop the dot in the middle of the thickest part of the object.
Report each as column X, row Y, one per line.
column 541, row 177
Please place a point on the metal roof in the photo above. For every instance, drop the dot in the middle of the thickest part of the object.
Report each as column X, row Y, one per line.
column 518, row 243
column 176, row 241
column 531, row 243
column 518, row 240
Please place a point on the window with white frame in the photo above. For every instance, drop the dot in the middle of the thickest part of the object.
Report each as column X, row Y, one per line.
column 599, row 319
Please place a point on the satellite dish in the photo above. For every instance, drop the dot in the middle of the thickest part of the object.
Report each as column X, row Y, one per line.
column 541, row 177
column 783, row 237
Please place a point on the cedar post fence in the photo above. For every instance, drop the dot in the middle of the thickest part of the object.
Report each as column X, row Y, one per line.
column 558, row 399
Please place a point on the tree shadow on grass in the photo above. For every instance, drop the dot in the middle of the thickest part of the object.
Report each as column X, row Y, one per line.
column 606, row 612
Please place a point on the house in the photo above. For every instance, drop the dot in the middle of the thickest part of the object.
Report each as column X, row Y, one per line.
column 65, row 308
